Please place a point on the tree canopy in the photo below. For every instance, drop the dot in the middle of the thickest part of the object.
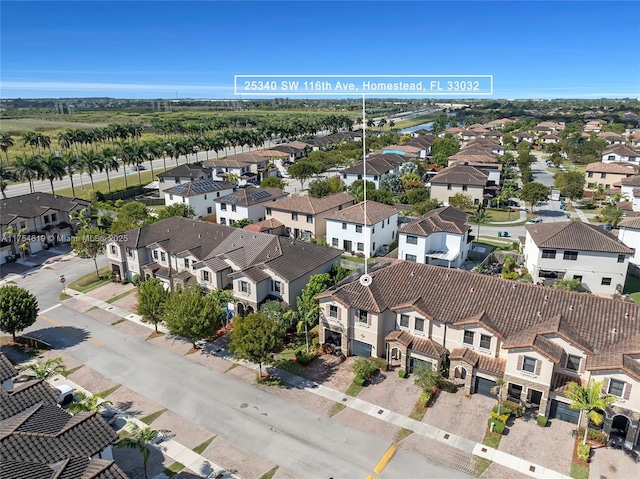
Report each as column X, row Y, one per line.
column 255, row 338
column 305, row 169
column 152, row 297
column 442, row 149
column 130, row 216
column 324, row 187
column 177, row 209
column 18, row 309
column 533, row 192
column 273, row 182
column 570, row 184
column 461, row 201
column 89, row 243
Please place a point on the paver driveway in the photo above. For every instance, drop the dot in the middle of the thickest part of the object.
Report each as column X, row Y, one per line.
column 460, row 414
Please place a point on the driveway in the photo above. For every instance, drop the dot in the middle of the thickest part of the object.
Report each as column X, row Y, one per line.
column 609, row 463
column 391, row 392
column 460, row 414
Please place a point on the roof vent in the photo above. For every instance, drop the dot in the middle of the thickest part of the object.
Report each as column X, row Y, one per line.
column 614, row 330
column 471, row 290
column 626, row 315
column 513, row 286
column 571, row 308
column 539, row 314
column 199, row 235
column 168, row 230
column 546, row 298
column 412, row 273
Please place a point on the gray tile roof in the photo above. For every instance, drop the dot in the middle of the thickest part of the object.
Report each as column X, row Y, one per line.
column 25, row 395
column 621, row 150
column 200, row 187
column 186, row 171
column 7, row 369
column 447, row 219
column 252, row 196
column 299, row 258
column 34, row 205
column 631, row 223
column 631, row 181
column 577, row 236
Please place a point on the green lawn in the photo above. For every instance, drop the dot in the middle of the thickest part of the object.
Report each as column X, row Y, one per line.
column 336, row 408
column 199, row 449
column 90, row 281
column 353, row 390
column 152, row 417
column 491, row 439
column 120, row 296
column 285, row 360
column 117, row 183
column 632, row 288
column 578, row 471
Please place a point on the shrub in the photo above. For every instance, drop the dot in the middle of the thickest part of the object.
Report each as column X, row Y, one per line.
column 364, row 368
column 503, row 418
column 594, row 435
column 514, row 407
column 503, row 409
column 359, row 381
column 379, row 363
column 425, row 398
column 498, row 427
column 512, row 275
column 446, row 386
column 304, row 358
column 584, row 452
column 402, row 373
column 136, row 279
column 315, row 343
column 542, row 420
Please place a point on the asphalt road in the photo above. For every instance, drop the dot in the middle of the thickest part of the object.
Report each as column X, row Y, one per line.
column 299, row 440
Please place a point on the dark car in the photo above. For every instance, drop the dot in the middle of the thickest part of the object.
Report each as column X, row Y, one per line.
column 511, row 203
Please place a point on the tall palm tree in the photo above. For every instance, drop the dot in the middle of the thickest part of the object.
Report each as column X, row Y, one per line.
column 480, row 217
column 5, row 175
column 88, row 403
column 109, row 163
column 151, row 151
column 91, row 163
column 27, row 168
column 43, row 369
column 6, row 142
column 14, row 233
column 497, row 390
column 307, row 317
column 140, row 439
column 52, row 167
column 71, row 163
column 589, row 399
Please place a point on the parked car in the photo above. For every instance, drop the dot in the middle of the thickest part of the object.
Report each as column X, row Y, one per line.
column 511, row 203
column 65, row 393
column 534, row 221
column 138, row 167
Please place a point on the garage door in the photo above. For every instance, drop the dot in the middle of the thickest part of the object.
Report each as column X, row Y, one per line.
column 415, row 362
column 560, row 410
column 484, row 386
column 361, row 349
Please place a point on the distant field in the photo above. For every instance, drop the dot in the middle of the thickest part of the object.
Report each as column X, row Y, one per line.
column 416, row 121
column 17, row 126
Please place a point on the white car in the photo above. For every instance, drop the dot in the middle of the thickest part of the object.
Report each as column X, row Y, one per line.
column 65, row 393
column 534, row 220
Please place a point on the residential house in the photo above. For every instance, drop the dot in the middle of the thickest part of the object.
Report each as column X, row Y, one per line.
column 41, row 440
column 295, row 150
column 270, row 226
column 629, row 234
column 200, row 195
column 245, row 168
column 351, row 230
column 549, row 139
column 440, row 237
column 620, row 154
column 378, row 166
column 609, row 175
column 611, row 138
column 182, row 174
column 481, row 328
column 246, row 203
column 465, row 179
column 524, row 136
column 42, row 219
column 256, row 266
column 305, row 217
column 486, row 144
column 630, row 188
column 577, row 250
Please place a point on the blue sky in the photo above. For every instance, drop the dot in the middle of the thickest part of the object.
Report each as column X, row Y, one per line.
column 193, row 49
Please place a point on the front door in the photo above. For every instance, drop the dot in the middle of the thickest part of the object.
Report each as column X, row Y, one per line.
column 535, row 397
column 346, row 245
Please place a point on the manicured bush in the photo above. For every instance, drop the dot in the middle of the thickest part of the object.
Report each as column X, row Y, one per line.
column 594, row 435
column 498, row 427
column 364, row 368
column 515, row 408
column 379, row 363
column 584, row 452
column 136, row 279
column 425, row 398
column 503, row 409
column 359, row 381
column 512, row 275
column 503, row 418
column 402, row 373
column 542, row 420
column 304, row 358
column 447, row 386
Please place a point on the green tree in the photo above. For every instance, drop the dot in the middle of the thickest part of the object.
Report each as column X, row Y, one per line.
column 241, row 223
column 6, row 175
column 414, row 196
column 411, row 181
column 391, row 182
column 140, row 439
column 461, row 201
column 152, row 298
column 279, row 312
column 612, row 214
column 308, row 309
column 87, row 402
column 6, row 142
column 570, row 184
column 589, row 399
column 192, row 315
column 357, row 189
column 442, row 149
column 89, row 242
column 51, row 168
column 43, row 370
column 423, row 207
column 273, row 182
column 177, row 209
column 319, row 188
column 305, row 169
column 568, row 284
column 497, row 390
column 130, row 216
column 480, row 217
column 255, row 338
column 363, row 368
column 533, row 192
column 426, row 377
column 18, row 309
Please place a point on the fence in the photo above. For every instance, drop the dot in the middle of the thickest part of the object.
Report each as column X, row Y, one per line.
column 121, row 195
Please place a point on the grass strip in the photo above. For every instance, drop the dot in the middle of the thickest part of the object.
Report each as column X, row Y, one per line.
column 337, row 407
column 199, row 449
column 106, row 392
column 270, row 473
column 152, row 417
column 353, row 390
column 120, row 296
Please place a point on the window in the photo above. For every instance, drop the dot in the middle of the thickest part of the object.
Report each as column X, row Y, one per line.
column 388, row 220
column 205, row 197
column 449, row 187
column 176, row 180
column 373, row 246
column 223, row 221
column 359, row 177
column 419, row 324
column 333, row 311
column 578, row 277
column 113, row 249
column 358, row 228
column 163, row 256
column 208, row 210
column 294, row 216
column 606, row 282
column 404, row 321
column 54, row 217
column 23, row 225
column 485, row 341
column 412, row 240
column 155, row 254
column 186, row 262
column 616, row 387
column 410, row 257
column 344, row 226
column 611, row 158
column 205, row 276
column 223, row 206
column 571, row 255
column 244, row 286
column 170, row 196
column 529, row 364
column 573, row 363
column 590, row 175
column 309, row 218
column 277, row 286
column 373, row 230
column 621, row 258
column 46, row 219
column 603, row 175
column 334, row 242
column 129, row 252
column 468, row 337
column 382, row 224
column 233, row 207
column 464, row 187
column 268, row 211
column 549, row 253
column 218, row 194
column 363, row 316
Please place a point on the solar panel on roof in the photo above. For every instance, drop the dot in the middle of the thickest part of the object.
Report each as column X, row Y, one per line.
column 232, row 199
column 260, row 194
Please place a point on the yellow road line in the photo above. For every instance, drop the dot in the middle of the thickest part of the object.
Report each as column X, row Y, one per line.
column 382, row 463
column 70, row 331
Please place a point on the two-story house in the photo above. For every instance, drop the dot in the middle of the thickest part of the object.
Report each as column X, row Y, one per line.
column 41, row 220
column 577, row 250
column 609, row 175
column 353, row 231
column 305, row 217
column 245, row 167
column 440, row 237
column 378, row 166
column 464, row 179
column 182, row 174
column 200, row 195
column 629, row 234
column 480, row 328
column 630, row 189
column 620, row 153
column 246, row 203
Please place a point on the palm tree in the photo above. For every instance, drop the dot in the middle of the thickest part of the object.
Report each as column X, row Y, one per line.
column 14, row 233
column 5, row 175
column 151, row 150
column 27, row 168
column 589, row 399
column 497, row 390
column 612, row 214
column 307, row 317
column 371, row 123
column 52, row 168
column 43, row 369
column 109, row 163
column 382, row 123
column 91, row 163
column 71, row 163
column 6, row 142
column 392, row 123
column 140, row 439
column 480, row 217
column 88, row 403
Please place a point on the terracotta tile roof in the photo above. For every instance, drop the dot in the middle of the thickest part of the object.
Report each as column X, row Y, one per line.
column 461, row 175
column 447, row 219
column 419, row 344
column 312, row 206
column 273, row 152
column 464, row 354
column 491, row 365
column 480, row 319
column 376, row 212
column 618, row 356
column 631, row 181
column 481, row 157
column 24, row 396
column 34, row 205
column 619, row 168
column 621, row 150
column 631, row 223
column 575, row 235
column 264, row 225
column 252, row 196
column 200, row 187
column 559, row 381
column 7, row 369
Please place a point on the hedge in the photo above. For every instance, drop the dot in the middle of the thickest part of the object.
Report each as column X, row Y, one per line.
column 379, row 363
column 359, row 381
column 542, row 420
column 584, row 452
column 425, row 398
column 515, row 408
column 402, row 373
column 498, row 427
column 594, row 435
column 503, row 418
column 304, row 358
column 503, row 410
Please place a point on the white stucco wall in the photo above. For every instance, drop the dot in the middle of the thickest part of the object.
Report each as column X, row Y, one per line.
column 372, row 237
